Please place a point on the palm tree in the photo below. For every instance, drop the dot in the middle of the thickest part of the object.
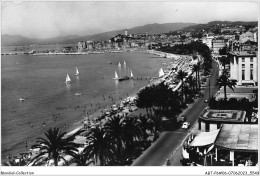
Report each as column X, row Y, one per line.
column 81, row 159
column 224, row 81
column 131, row 129
column 100, row 148
column 146, row 124
column 145, row 98
column 186, row 91
column 199, row 67
column 132, row 134
column 192, row 82
column 180, row 76
column 115, row 130
column 53, row 146
column 224, row 60
column 196, row 68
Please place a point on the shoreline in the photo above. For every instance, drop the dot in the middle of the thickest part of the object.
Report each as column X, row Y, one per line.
column 73, row 128
column 72, row 53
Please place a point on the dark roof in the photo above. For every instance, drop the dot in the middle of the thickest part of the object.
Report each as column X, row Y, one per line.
column 223, row 116
column 239, row 137
column 241, row 90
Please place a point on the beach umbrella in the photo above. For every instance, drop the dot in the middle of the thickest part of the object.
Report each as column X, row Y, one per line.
column 205, row 160
column 210, row 148
column 205, row 152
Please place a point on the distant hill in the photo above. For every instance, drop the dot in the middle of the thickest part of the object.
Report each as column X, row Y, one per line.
column 209, row 26
column 9, row 40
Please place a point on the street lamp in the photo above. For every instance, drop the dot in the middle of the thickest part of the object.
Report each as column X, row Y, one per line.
column 209, row 89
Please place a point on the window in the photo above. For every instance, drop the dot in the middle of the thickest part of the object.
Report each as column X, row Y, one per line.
column 243, row 66
column 251, row 66
column 251, row 59
column 243, row 59
column 251, row 74
column 243, row 74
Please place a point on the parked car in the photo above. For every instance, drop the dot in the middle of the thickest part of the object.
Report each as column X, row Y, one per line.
column 185, row 125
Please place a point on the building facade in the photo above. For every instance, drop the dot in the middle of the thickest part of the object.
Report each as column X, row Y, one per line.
column 244, row 67
column 218, row 44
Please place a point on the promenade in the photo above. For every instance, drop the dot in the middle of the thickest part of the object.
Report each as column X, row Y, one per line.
column 169, row 142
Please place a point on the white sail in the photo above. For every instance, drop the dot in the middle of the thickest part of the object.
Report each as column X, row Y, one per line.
column 161, row 73
column 119, row 65
column 116, row 76
column 77, row 71
column 124, row 63
column 131, row 74
column 68, row 80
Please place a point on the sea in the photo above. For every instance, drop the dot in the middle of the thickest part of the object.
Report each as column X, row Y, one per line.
column 49, row 102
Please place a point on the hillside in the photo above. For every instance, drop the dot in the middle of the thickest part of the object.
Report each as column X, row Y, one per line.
column 8, row 40
column 217, row 24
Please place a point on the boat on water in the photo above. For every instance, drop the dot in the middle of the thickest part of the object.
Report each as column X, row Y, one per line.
column 119, row 65
column 124, row 78
column 22, row 99
column 161, row 73
column 131, row 74
column 124, row 63
column 77, row 94
column 116, row 76
column 68, row 80
column 77, row 71
column 109, row 62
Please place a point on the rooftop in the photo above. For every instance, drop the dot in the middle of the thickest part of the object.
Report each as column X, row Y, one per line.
column 226, row 116
column 238, row 96
column 240, row 89
column 244, row 53
column 239, row 137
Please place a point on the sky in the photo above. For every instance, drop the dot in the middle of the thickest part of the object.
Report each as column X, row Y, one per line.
column 47, row 19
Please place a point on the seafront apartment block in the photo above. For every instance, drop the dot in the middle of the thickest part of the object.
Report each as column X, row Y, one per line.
column 244, row 67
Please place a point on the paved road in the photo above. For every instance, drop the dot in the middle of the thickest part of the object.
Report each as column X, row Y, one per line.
column 157, row 154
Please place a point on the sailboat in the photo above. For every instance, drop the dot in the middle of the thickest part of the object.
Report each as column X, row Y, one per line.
column 131, row 74
column 77, row 71
column 161, row 73
column 124, row 63
column 116, row 76
column 68, row 80
column 119, row 65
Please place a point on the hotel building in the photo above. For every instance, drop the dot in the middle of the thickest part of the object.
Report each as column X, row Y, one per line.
column 244, row 67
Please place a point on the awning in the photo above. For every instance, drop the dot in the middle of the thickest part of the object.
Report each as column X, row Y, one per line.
column 238, row 137
column 205, row 138
column 248, row 82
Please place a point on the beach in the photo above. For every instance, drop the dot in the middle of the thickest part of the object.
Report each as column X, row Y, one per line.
column 50, row 103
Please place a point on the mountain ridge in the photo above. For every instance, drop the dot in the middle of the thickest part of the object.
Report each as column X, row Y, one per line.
column 155, row 28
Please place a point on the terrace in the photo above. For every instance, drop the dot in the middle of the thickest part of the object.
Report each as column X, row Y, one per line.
column 218, row 117
column 231, row 145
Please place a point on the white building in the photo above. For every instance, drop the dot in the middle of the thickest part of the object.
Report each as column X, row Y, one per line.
column 208, row 41
column 244, row 67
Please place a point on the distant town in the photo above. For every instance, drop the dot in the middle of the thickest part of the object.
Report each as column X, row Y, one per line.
column 206, row 102
column 216, row 35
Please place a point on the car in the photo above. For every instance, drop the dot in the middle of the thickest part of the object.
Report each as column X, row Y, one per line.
column 185, row 125
column 206, row 101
